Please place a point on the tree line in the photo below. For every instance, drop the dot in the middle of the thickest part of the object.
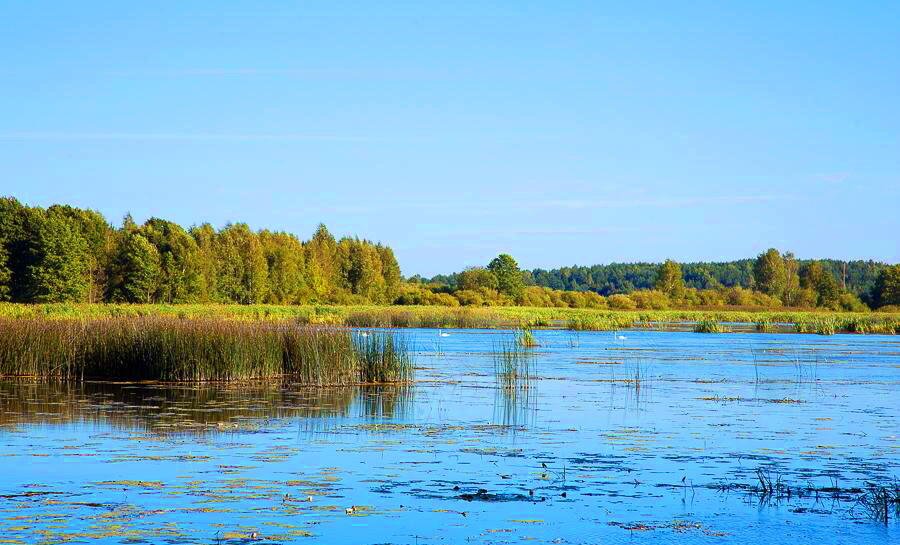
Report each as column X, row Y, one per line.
column 857, row 277
column 67, row 254
column 772, row 280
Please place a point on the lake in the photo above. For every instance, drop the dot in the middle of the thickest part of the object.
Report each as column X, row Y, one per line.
column 628, row 437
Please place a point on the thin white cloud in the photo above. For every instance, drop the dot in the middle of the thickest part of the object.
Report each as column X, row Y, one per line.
column 664, row 202
column 175, row 136
column 493, row 205
column 833, row 177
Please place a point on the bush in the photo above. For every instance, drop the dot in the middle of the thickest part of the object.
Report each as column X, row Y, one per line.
column 621, row 302
column 851, row 303
column 651, row 300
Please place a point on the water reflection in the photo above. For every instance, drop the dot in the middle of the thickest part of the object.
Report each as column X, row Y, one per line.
column 166, row 408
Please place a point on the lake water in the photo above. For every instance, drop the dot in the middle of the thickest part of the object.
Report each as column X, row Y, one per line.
column 629, row 437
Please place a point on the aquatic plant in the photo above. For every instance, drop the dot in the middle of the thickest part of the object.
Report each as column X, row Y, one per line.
column 764, row 326
column 879, row 500
column 171, row 349
column 525, row 339
column 512, row 365
column 577, row 319
column 383, row 356
column 709, row 325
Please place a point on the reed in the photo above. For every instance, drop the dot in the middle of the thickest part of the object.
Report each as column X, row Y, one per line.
column 764, row 326
column 512, row 365
column 383, row 357
column 468, row 317
column 525, row 338
column 172, row 349
column 709, row 325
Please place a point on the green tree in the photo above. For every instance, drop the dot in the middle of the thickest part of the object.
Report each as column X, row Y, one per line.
column 285, row 260
column 180, row 280
column 242, row 267
column 476, row 278
column 822, row 282
column 390, row 270
column 887, row 287
column 509, row 277
column 206, row 262
column 361, row 269
column 138, row 270
column 670, row 280
column 769, row 273
column 61, row 271
column 791, row 293
column 5, row 273
column 99, row 237
column 322, row 267
column 17, row 226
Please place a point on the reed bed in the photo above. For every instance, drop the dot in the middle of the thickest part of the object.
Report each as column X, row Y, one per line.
column 470, row 317
column 709, row 325
column 172, row 349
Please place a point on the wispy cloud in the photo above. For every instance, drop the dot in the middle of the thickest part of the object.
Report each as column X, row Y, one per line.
column 661, row 202
column 179, row 136
column 833, row 177
column 493, row 205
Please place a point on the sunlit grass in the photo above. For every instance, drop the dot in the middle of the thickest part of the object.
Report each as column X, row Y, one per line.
column 202, row 349
column 472, row 317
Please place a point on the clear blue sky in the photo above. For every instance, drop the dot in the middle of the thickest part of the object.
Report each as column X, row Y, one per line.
column 560, row 132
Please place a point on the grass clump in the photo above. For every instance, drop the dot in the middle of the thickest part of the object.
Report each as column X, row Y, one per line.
column 764, row 326
column 181, row 350
column 512, row 365
column 709, row 325
column 525, row 338
column 383, row 357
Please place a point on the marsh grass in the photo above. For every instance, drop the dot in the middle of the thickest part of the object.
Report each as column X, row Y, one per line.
column 383, row 357
column 525, row 338
column 197, row 350
column 709, row 325
column 764, row 326
column 466, row 317
column 513, row 365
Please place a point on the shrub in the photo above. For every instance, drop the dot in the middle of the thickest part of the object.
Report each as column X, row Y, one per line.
column 621, row 302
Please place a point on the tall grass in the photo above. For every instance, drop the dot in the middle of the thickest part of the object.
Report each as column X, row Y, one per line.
column 525, row 338
column 467, row 317
column 709, row 325
column 512, row 365
column 171, row 349
column 383, row 357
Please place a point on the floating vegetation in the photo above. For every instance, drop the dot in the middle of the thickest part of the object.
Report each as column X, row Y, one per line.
column 171, row 349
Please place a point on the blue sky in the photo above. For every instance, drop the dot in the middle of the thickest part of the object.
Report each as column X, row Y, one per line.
column 560, row 132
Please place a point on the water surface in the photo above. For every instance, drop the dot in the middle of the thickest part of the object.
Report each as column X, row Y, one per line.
column 629, row 437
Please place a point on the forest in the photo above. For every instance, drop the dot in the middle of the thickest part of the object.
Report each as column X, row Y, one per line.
column 64, row 254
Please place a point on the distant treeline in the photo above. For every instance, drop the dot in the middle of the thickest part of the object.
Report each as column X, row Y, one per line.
column 771, row 280
column 66, row 254
column 857, row 277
